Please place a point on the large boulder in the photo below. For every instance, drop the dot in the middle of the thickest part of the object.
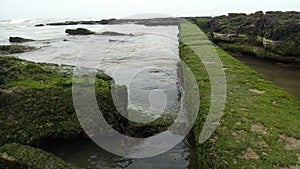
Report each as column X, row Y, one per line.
column 79, row 31
column 19, row 39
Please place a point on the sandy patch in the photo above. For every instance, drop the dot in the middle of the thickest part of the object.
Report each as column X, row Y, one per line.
column 260, row 128
column 250, row 154
column 257, row 91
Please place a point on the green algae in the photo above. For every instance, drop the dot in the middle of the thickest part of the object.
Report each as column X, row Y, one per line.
column 36, row 102
column 140, row 130
column 11, row 49
column 36, row 106
column 258, row 118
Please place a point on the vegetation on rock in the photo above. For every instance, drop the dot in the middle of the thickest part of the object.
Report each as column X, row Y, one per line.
column 11, row 49
column 36, row 106
column 36, row 102
column 275, row 33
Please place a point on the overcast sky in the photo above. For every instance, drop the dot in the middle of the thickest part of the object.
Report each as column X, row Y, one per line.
column 13, row 9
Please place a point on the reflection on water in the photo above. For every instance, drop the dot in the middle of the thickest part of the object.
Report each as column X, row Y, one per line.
column 285, row 78
column 86, row 153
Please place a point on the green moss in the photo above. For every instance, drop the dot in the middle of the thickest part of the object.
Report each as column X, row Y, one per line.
column 36, row 101
column 36, row 104
column 20, row 156
column 239, row 48
column 141, row 130
column 251, row 101
column 11, row 49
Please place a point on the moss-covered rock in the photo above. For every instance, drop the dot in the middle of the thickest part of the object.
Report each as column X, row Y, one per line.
column 36, row 106
column 36, row 102
column 275, row 32
column 11, row 49
column 19, row 156
column 140, row 130
column 79, row 31
column 19, row 40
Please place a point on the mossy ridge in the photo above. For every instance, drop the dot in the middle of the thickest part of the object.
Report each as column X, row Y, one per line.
column 251, row 101
column 19, row 156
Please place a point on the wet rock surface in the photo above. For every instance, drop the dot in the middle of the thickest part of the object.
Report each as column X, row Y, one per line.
column 79, row 31
column 19, row 40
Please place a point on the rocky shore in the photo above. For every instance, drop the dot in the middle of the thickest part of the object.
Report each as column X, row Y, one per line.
column 146, row 22
column 270, row 35
column 12, row 49
column 36, row 107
